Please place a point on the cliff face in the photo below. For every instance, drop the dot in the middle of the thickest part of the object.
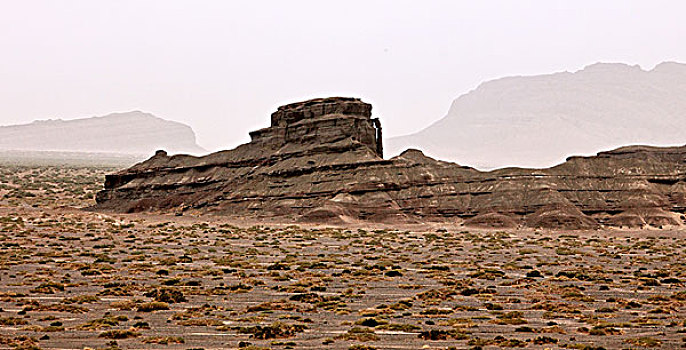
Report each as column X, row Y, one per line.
column 538, row 121
column 320, row 161
column 130, row 133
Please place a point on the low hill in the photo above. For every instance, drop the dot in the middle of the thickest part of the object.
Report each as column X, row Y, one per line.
column 125, row 133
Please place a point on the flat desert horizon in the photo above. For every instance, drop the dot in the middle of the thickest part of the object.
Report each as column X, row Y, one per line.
column 76, row 278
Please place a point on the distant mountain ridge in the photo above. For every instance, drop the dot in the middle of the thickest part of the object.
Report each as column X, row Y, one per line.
column 538, row 121
column 133, row 132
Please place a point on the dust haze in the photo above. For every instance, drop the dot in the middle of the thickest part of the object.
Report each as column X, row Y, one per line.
column 222, row 67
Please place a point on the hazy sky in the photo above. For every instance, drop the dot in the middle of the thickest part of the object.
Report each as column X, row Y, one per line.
column 224, row 66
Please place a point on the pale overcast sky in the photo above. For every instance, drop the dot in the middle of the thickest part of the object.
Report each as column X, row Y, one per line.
column 224, row 66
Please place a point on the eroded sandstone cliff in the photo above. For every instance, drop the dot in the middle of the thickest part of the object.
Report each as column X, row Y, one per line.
column 537, row 121
column 321, row 161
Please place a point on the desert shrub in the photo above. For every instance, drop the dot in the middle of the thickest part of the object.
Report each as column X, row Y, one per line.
column 167, row 295
column 359, row 334
column 100, row 323
column 80, row 299
column 646, row 342
column 152, row 306
column 511, row 318
column 441, row 334
column 119, row 334
column 275, row 330
column 361, row 347
column 163, row 340
column 12, row 321
column 48, row 288
column 399, row 327
column 123, row 305
column 370, row 322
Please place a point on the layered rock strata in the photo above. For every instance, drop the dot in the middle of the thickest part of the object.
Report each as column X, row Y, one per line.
column 321, row 161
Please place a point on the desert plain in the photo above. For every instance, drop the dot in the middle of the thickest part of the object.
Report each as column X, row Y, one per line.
column 71, row 278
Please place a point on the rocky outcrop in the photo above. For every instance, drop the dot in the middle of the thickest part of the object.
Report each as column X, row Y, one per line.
column 321, row 121
column 126, row 133
column 321, row 161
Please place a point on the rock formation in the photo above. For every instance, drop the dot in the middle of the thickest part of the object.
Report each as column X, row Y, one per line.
column 321, row 161
column 538, row 121
column 126, row 133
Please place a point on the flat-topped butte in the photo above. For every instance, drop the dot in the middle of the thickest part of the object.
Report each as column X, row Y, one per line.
column 321, row 161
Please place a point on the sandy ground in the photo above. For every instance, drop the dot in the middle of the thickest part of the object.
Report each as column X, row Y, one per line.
column 72, row 279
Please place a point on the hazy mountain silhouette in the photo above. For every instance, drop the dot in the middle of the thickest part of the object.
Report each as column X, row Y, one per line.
column 129, row 133
column 538, row 121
